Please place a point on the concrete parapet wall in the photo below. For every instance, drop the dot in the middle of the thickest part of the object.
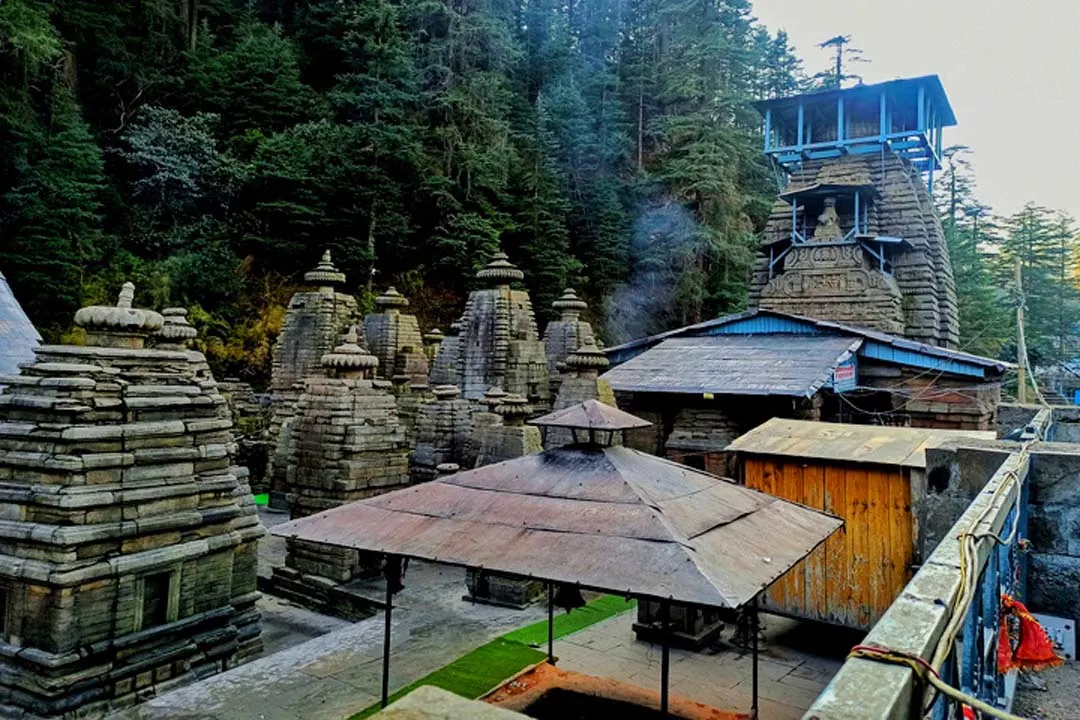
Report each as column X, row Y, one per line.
column 869, row 690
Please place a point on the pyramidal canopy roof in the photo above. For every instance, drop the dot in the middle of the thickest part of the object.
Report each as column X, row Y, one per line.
column 605, row 518
column 591, row 415
column 18, row 337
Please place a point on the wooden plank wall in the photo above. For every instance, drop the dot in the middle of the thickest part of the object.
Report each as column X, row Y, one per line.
column 853, row 578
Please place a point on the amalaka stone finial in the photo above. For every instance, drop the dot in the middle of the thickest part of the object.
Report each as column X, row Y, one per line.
column 587, row 357
column 325, row 274
column 120, row 325
column 433, row 336
column 392, row 300
column 176, row 332
column 446, row 392
column 349, row 357
column 447, row 468
column 493, row 398
column 569, row 304
column 514, row 409
column 500, row 270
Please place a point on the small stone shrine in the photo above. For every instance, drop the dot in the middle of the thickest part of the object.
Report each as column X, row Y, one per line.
column 499, row 344
column 432, row 341
column 345, row 442
column 512, row 437
column 444, row 367
column 580, row 381
column 482, row 420
column 443, row 432
column 314, row 322
column 565, row 335
column 394, row 338
column 131, row 537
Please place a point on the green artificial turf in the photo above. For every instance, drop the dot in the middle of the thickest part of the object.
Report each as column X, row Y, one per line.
column 262, row 500
column 596, row 610
column 479, row 671
column 473, row 674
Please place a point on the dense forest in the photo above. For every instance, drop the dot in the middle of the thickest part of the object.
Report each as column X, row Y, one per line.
column 208, row 150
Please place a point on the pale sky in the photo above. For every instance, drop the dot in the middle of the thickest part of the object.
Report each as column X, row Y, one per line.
column 1011, row 71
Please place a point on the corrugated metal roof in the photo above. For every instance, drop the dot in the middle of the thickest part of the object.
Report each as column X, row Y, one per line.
column 848, row 443
column 797, row 365
column 18, row 337
column 812, row 326
column 610, row 518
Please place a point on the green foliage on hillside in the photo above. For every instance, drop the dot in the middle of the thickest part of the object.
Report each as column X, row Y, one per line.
column 209, row 150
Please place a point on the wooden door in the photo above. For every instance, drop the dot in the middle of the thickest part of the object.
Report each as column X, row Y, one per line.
column 853, row 578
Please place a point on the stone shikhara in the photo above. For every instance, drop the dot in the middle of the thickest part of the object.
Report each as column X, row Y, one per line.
column 128, row 558
column 314, row 322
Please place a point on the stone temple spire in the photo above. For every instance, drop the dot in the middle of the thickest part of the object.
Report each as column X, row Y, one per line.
column 394, row 337
column 315, row 320
column 580, row 382
column 569, row 332
column 499, row 343
column 176, row 332
column 131, row 538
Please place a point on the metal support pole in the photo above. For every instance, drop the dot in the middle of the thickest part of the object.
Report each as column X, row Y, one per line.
column 754, row 645
column 665, row 658
column 386, row 646
column 551, row 623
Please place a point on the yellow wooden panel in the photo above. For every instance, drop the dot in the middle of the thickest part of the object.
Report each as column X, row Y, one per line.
column 792, row 489
column 837, row 587
column 900, row 533
column 879, row 556
column 858, row 546
column 815, row 565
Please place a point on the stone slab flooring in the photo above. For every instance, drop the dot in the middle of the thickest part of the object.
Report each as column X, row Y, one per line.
column 795, row 665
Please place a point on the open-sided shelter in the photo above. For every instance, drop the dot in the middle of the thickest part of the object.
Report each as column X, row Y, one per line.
column 590, row 516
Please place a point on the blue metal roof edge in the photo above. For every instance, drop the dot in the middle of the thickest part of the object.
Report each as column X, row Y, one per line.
column 903, row 350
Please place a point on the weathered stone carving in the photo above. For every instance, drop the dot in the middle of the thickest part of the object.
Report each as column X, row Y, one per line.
column 345, row 443
column 130, row 536
column 313, row 323
column 484, row 416
column 828, row 223
column 394, row 338
column 581, row 381
column 921, row 271
column 499, row 344
column 443, row 432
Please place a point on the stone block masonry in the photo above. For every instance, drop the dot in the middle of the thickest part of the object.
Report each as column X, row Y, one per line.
column 314, row 322
column 128, row 542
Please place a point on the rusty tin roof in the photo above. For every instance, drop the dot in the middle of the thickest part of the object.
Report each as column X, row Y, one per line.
column 606, row 518
column 848, row 443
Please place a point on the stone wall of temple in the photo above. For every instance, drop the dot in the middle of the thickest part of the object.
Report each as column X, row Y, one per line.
column 443, row 433
column 314, row 322
column 498, row 343
column 842, row 287
column 128, row 549
column 393, row 336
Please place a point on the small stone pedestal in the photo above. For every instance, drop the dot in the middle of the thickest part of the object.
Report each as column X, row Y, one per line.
column 690, row 628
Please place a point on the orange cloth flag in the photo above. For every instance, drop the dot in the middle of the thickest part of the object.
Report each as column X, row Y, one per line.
column 1034, row 649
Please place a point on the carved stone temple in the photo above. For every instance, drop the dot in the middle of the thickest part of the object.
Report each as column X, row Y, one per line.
column 565, row 335
column 855, row 236
column 580, row 381
column 345, row 441
column 130, row 537
column 314, row 322
column 345, row 444
column 394, row 338
column 443, row 433
column 498, row 342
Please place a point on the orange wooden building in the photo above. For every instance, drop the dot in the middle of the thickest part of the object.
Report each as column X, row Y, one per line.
column 874, row 478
